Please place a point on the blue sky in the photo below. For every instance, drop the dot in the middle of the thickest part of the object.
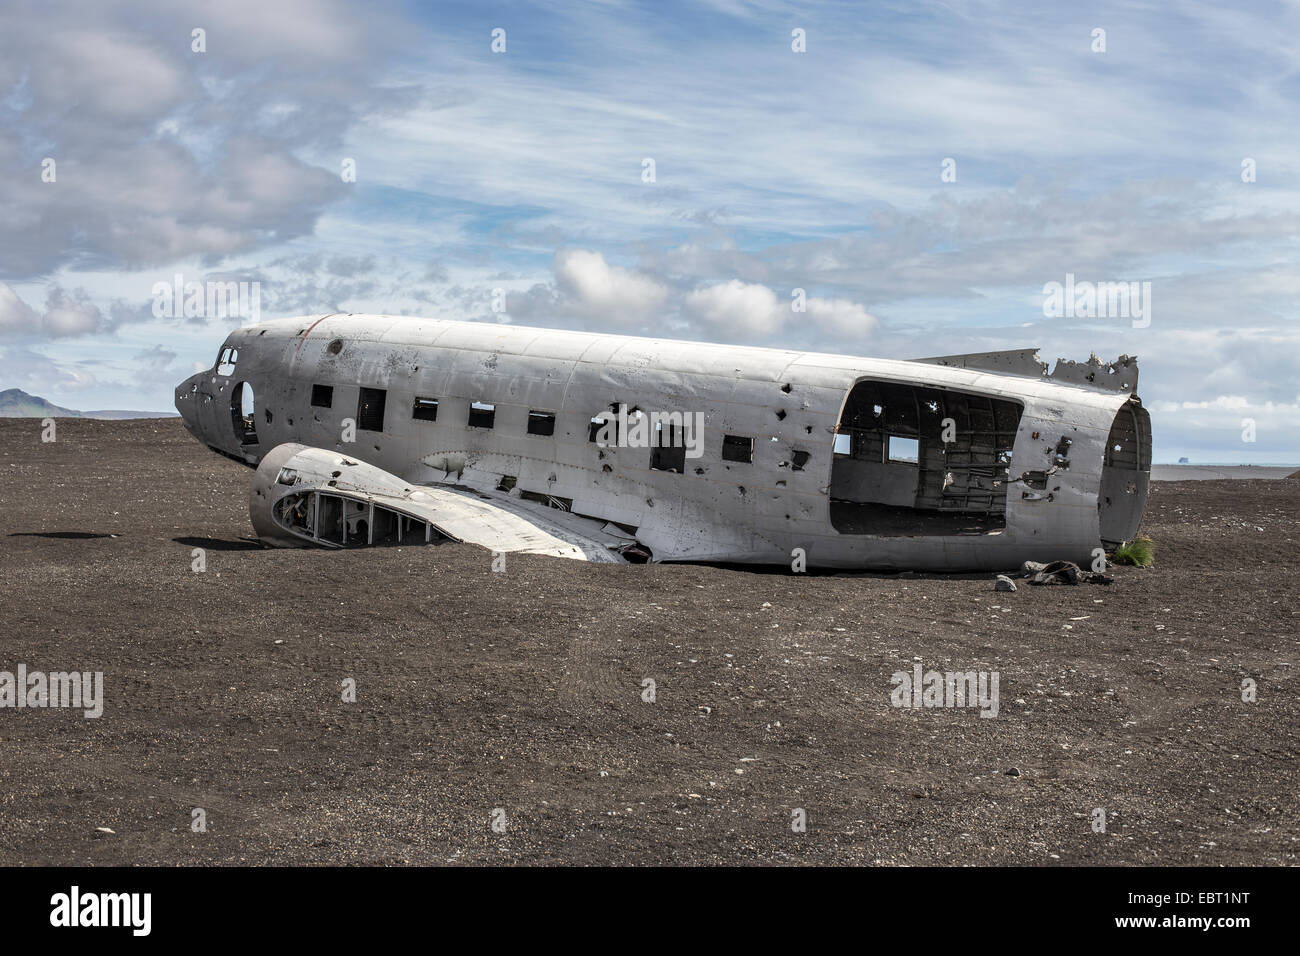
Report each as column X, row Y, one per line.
column 775, row 170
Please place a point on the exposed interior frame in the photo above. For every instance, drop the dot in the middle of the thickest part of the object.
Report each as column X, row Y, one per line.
column 957, row 483
column 1125, row 475
column 346, row 522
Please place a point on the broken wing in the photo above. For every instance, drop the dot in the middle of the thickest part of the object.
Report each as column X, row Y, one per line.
column 304, row 497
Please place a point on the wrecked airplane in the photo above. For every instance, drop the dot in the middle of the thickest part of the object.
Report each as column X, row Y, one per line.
column 370, row 430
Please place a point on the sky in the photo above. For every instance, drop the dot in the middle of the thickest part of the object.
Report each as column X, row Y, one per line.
column 921, row 173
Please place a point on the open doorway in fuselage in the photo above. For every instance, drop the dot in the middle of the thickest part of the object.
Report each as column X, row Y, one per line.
column 913, row 460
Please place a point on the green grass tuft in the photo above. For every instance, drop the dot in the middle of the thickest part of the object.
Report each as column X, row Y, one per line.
column 1141, row 551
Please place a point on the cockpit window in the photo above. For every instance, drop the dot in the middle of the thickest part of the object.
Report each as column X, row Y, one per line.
column 226, row 361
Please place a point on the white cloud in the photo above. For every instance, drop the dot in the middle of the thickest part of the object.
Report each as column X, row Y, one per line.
column 751, row 311
column 590, row 286
column 162, row 153
column 841, row 318
column 66, row 315
column 741, row 311
column 16, row 316
column 1231, row 427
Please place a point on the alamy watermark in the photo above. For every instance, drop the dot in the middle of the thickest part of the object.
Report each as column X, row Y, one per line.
column 946, row 689
column 638, row 429
column 130, row 910
column 74, row 689
column 213, row 299
column 1098, row 300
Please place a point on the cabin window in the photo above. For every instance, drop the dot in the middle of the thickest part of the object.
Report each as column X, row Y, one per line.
column 425, row 409
column 370, row 409
column 737, row 448
column 322, row 396
column 615, row 434
column 348, row 522
column 669, row 451
column 482, row 414
column 902, row 450
column 329, row 518
column 541, row 423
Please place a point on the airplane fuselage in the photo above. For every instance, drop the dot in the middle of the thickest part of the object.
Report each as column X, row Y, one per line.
column 944, row 464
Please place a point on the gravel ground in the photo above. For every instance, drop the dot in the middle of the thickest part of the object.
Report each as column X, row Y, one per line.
column 522, row 692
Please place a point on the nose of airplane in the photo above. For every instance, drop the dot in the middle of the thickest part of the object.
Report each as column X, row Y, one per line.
column 187, row 397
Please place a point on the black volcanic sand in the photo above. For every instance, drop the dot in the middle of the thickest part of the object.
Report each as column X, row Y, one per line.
column 523, row 691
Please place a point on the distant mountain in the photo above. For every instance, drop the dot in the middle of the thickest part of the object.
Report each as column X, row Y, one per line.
column 15, row 403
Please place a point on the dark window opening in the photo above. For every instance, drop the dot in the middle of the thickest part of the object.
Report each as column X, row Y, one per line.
column 892, row 473
column 322, row 396
column 425, row 409
column 337, row 520
column 482, row 414
column 329, row 523
column 541, row 423
column 370, row 409
column 800, row 459
column 611, row 418
column 737, row 448
column 614, row 436
column 1062, row 454
column 669, row 451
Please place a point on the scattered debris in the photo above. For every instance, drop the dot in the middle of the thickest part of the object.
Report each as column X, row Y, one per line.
column 1004, row 583
column 1062, row 572
column 1013, row 772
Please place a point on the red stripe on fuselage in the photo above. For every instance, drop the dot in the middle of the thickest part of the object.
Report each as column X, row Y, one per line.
column 308, row 331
